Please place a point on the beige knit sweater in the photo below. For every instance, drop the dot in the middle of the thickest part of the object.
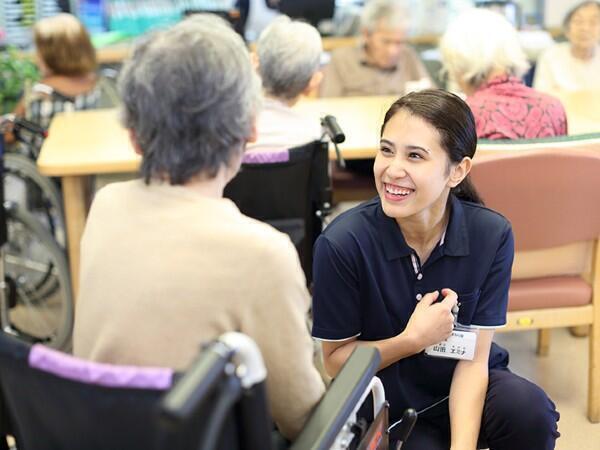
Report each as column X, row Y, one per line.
column 164, row 269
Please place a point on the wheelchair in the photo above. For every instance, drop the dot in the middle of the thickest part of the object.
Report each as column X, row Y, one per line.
column 51, row 400
column 290, row 189
column 36, row 302
column 24, row 185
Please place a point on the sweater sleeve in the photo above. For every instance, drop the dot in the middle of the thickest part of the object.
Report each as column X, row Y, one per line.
column 278, row 325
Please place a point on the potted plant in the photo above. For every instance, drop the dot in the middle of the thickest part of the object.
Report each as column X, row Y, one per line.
column 16, row 71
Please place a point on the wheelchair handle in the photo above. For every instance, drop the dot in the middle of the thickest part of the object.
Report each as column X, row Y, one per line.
column 332, row 129
column 409, row 418
column 19, row 123
column 232, row 355
column 199, row 381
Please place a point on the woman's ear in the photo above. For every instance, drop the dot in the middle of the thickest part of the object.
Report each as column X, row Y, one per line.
column 459, row 172
column 231, row 169
column 254, row 60
column 312, row 87
column 134, row 142
column 253, row 132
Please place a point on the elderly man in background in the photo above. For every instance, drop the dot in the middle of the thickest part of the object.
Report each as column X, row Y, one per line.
column 383, row 63
column 166, row 262
column 288, row 56
column 482, row 54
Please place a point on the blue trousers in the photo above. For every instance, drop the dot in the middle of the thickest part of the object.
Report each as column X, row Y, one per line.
column 517, row 415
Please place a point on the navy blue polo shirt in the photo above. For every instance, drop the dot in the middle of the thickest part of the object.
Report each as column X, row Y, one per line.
column 367, row 282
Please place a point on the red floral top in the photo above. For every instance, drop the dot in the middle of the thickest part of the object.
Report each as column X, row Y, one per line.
column 504, row 108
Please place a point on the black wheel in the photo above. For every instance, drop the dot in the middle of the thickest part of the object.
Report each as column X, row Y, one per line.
column 39, row 195
column 38, row 285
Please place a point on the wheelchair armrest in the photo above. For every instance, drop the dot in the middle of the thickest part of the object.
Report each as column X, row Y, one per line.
column 340, row 400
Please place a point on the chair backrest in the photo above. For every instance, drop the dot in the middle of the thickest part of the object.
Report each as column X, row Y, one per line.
column 51, row 400
column 551, row 199
column 290, row 190
column 578, row 142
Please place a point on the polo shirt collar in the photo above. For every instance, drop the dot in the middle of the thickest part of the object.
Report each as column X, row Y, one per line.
column 455, row 240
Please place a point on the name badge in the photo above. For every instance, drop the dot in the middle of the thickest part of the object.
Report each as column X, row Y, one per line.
column 460, row 345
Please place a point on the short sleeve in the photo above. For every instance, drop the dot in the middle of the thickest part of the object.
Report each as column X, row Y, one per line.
column 493, row 299
column 336, row 300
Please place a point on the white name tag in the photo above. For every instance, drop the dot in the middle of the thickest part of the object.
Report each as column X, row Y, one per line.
column 460, row 345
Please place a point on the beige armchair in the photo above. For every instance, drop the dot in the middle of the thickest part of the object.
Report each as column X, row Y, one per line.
column 552, row 199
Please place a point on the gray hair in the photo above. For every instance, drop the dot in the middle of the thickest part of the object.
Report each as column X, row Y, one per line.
column 289, row 53
column 478, row 42
column 190, row 96
column 390, row 13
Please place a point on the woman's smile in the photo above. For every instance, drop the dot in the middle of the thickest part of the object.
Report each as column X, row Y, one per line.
column 396, row 193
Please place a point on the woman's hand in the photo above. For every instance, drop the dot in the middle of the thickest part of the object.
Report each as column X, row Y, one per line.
column 432, row 322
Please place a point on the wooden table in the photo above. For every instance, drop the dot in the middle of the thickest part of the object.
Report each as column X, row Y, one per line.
column 87, row 143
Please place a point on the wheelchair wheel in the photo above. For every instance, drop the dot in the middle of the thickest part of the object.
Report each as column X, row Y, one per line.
column 38, row 285
column 39, row 195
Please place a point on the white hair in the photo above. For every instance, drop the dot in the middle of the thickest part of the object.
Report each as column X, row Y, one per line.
column 389, row 13
column 289, row 54
column 478, row 42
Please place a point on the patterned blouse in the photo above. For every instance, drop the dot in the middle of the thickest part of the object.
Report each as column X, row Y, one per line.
column 46, row 102
column 504, row 108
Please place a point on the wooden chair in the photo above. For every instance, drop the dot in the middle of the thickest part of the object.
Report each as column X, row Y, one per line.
column 552, row 199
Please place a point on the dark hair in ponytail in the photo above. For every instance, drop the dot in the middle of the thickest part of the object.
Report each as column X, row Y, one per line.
column 453, row 119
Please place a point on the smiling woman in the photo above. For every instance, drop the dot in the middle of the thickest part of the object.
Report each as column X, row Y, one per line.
column 422, row 263
column 427, row 142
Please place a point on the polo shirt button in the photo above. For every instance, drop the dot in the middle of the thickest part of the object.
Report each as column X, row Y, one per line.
column 420, row 276
column 419, row 297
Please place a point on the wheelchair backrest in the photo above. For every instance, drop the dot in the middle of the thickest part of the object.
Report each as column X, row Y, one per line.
column 290, row 190
column 49, row 400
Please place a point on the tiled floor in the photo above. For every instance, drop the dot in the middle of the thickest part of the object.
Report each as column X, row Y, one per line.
column 563, row 375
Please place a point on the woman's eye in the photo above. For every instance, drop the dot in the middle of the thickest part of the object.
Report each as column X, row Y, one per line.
column 386, row 150
column 415, row 155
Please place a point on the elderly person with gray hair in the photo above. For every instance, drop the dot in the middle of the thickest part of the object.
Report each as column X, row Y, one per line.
column 573, row 65
column 482, row 55
column 288, row 55
column 383, row 63
column 166, row 262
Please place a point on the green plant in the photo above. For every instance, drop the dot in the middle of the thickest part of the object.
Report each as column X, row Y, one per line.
column 16, row 70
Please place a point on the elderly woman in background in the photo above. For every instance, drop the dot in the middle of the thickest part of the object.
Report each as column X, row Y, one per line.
column 67, row 63
column 166, row 261
column 288, row 56
column 383, row 63
column 573, row 65
column 482, row 54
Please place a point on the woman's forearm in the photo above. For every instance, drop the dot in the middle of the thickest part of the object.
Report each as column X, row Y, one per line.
column 467, row 397
column 390, row 350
